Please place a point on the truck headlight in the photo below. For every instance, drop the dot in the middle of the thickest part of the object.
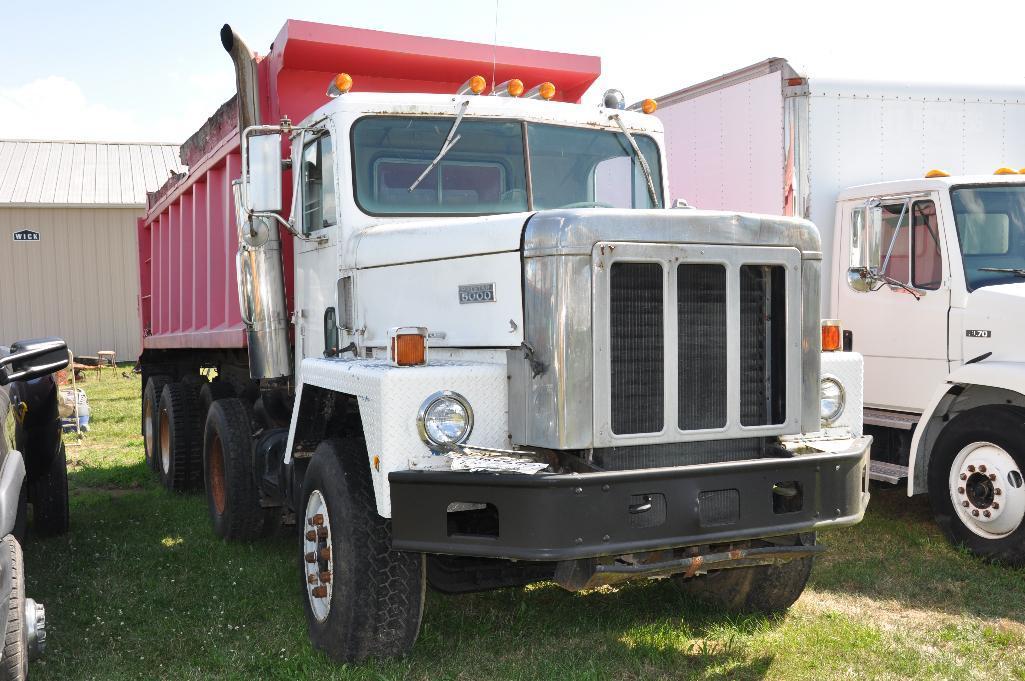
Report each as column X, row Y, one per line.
column 832, row 399
column 444, row 418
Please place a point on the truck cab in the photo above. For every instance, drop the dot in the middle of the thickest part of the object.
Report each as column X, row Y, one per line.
column 942, row 261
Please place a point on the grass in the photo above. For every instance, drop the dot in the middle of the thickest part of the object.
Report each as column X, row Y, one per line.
column 140, row 589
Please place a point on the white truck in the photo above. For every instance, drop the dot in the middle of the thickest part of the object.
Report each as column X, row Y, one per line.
column 923, row 234
column 507, row 361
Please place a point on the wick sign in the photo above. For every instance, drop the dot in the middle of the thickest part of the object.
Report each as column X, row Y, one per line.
column 26, row 235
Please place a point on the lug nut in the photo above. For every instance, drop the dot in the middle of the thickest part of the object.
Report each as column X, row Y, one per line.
column 311, row 535
column 964, row 476
column 982, row 468
column 319, row 592
column 992, row 476
column 960, row 490
column 325, row 553
column 317, row 520
column 975, row 512
column 986, row 513
column 996, row 505
column 998, row 491
column 319, row 533
column 971, row 468
column 311, row 578
column 965, row 504
column 325, row 577
column 311, row 557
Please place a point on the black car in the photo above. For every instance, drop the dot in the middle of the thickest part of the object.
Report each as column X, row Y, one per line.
column 33, row 470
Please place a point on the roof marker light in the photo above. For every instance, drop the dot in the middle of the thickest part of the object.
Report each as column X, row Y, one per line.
column 648, row 106
column 1005, row 171
column 545, row 90
column 340, row 84
column 510, row 88
column 474, row 86
column 935, row 172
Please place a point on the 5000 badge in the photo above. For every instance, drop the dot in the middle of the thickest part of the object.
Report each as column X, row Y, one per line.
column 476, row 293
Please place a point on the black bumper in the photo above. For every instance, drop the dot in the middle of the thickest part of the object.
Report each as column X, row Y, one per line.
column 562, row 517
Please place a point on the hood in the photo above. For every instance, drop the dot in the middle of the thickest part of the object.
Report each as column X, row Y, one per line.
column 424, row 239
column 993, row 322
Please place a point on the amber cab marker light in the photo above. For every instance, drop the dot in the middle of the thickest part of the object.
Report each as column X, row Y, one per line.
column 510, row 88
column 831, row 335
column 545, row 90
column 407, row 346
column 648, row 106
column 474, row 86
column 936, row 172
column 1005, row 171
column 340, row 84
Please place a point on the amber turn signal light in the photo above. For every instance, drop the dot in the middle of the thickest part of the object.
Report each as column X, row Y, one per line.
column 831, row 335
column 407, row 346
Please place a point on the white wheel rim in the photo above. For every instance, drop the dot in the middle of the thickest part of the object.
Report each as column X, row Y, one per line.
column 147, row 429
column 987, row 490
column 317, row 565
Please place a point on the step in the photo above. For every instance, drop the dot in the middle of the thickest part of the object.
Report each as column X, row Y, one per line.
column 887, row 472
column 890, row 419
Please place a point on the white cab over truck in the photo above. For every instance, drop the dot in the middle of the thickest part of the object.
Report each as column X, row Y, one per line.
column 512, row 362
column 927, row 274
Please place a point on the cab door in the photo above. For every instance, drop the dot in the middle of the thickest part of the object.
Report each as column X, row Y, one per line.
column 316, row 264
column 901, row 326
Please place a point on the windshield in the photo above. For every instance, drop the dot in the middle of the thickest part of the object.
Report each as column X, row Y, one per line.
column 486, row 171
column 991, row 230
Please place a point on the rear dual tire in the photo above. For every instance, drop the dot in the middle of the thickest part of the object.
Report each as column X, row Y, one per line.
column 232, row 497
column 150, row 418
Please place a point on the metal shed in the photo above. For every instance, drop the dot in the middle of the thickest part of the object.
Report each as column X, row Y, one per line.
column 68, row 241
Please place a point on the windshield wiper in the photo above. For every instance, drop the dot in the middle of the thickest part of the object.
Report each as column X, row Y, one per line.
column 1017, row 271
column 450, row 142
column 640, row 158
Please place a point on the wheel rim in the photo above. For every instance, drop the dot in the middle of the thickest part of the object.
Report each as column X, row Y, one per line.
column 217, row 487
column 987, row 490
column 147, row 428
column 165, row 442
column 317, row 562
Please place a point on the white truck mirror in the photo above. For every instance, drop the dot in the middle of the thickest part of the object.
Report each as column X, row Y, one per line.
column 264, row 191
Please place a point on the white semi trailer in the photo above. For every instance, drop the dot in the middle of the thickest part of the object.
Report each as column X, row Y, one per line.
column 923, row 238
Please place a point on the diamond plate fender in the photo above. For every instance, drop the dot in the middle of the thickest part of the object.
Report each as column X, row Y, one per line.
column 848, row 369
column 389, row 398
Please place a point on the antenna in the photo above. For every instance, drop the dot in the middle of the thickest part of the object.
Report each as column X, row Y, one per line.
column 494, row 49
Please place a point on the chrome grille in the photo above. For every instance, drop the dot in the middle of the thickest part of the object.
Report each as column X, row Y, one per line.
column 636, row 313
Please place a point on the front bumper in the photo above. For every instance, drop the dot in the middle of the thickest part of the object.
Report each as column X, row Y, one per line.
column 564, row 517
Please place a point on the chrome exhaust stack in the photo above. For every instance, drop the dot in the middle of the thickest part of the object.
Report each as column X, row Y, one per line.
column 259, row 268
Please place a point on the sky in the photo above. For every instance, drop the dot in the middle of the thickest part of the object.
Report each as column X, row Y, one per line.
column 153, row 72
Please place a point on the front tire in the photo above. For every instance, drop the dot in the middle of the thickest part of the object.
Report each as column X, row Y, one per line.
column 976, row 487
column 363, row 599
column 14, row 665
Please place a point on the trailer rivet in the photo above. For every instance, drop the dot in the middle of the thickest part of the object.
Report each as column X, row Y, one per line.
column 982, row 468
column 578, row 540
column 319, row 592
column 986, row 513
column 838, row 468
column 606, row 538
column 578, row 490
column 960, row 490
column 605, row 488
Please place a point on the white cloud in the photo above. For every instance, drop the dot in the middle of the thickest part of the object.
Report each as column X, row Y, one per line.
column 55, row 107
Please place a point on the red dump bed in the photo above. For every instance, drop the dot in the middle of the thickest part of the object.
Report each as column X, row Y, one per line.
column 187, row 239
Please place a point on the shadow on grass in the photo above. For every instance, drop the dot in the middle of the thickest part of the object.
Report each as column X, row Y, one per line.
column 898, row 554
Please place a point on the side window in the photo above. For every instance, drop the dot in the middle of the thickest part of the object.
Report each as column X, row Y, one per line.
column 927, row 263
column 899, row 266
column 318, row 184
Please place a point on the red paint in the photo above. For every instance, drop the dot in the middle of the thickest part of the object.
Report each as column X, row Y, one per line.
column 188, row 295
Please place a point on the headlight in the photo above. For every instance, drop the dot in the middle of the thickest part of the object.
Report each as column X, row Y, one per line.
column 832, row 400
column 444, row 418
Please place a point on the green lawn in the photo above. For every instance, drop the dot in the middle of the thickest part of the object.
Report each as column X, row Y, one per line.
column 140, row 589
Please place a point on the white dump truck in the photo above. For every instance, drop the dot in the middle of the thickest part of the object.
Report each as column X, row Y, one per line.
column 479, row 350
column 923, row 234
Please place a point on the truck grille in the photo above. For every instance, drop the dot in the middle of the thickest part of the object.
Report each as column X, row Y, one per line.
column 637, row 316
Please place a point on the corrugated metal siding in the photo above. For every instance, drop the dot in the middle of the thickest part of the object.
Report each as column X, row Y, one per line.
column 83, row 173
column 79, row 281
